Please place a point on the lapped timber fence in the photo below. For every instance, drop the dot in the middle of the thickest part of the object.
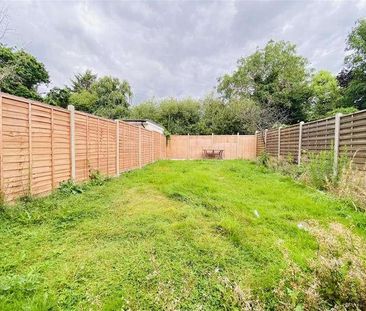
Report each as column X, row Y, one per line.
column 342, row 134
column 42, row 145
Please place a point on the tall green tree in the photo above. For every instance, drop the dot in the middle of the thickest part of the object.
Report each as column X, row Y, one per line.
column 325, row 94
column 83, row 81
column 107, row 96
column 275, row 77
column 353, row 76
column 21, row 73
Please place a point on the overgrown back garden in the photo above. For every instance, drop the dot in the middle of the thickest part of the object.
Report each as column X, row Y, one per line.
column 184, row 235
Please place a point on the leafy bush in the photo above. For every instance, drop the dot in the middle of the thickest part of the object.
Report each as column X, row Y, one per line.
column 70, row 187
column 263, row 159
column 96, row 178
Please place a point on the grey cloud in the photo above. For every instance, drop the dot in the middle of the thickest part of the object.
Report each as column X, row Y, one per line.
column 166, row 48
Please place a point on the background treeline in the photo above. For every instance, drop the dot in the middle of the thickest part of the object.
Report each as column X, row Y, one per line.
column 271, row 87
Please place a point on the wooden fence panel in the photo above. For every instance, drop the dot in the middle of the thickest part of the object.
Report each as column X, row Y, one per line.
column 36, row 146
column 15, row 170
column 41, row 149
column 272, row 142
column 318, row 135
column 146, row 143
column 352, row 140
column 192, row 146
column 289, row 142
column 260, row 143
column 61, row 146
column 129, row 146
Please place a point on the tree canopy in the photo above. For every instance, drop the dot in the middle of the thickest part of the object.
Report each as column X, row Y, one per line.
column 274, row 77
column 353, row 75
column 21, row 73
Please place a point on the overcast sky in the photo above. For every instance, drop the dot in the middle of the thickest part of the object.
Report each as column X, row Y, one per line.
column 166, row 48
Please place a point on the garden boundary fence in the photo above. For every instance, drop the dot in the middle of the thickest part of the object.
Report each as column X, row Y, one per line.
column 43, row 145
column 191, row 147
column 342, row 134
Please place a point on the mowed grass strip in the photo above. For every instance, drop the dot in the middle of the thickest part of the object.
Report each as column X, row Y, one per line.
column 173, row 235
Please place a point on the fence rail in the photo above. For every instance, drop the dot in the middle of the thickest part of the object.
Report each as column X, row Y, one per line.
column 341, row 134
column 42, row 145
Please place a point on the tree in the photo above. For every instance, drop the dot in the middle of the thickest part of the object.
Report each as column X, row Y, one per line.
column 275, row 77
column 325, row 94
column 180, row 116
column 21, row 73
column 113, row 97
column 84, row 101
column 107, row 96
column 58, row 97
column 83, row 81
column 354, row 73
column 145, row 110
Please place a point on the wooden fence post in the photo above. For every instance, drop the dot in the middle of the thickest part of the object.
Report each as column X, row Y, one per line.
column 337, row 126
column 140, row 162
column 279, row 144
column 300, row 143
column 71, row 108
column 117, row 147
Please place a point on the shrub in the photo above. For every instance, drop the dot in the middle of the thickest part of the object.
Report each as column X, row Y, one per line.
column 263, row 159
column 96, row 178
column 70, row 187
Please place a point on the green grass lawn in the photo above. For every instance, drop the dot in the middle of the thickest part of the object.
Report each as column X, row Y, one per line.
column 188, row 235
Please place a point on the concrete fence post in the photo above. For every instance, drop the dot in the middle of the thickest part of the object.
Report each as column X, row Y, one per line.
column 300, row 143
column 117, row 148
column 265, row 140
column 71, row 108
column 256, row 143
column 279, row 144
column 337, row 126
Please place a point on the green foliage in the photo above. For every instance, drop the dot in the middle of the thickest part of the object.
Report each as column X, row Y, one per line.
column 58, row 97
column 21, row 73
column 84, row 101
column 318, row 169
column 70, row 187
column 355, row 67
column 96, row 178
column 263, row 159
column 145, row 110
column 83, row 81
column 210, row 235
column 325, row 94
column 343, row 110
column 274, row 76
column 107, row 96
column 112, row 97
